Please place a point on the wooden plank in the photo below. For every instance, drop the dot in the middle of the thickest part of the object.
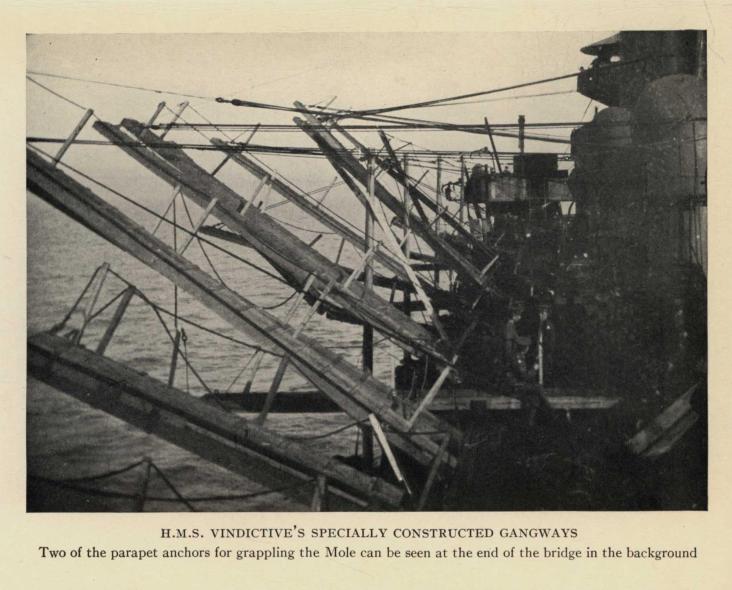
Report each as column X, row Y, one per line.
column 71, row 138
column 339, row 156
column 431, row 394
column 384, row 443
column 432, row 475
column 158, row 110
column 369, row 306
column 307, row 204
column 319, row 494
column 222, row 234
column 228, row 440
column 327, row 370
column 282, row 248
column 419, row 198
column 403, row 258
column 116, row 319
column 664, row 422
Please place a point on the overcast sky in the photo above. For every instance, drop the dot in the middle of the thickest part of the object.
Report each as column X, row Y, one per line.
column 360, row 70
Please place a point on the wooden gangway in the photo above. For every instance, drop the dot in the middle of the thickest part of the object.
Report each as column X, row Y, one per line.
column 239, row 445
column 275, row 243
column 358, row 393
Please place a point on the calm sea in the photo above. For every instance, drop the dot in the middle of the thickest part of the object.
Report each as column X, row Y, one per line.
column 67, row 439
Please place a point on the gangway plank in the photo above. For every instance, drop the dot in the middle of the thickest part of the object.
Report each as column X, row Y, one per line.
column 230, row 441
column 341, row 157
column 358, row 393
column 275, row 243
column 307, row 204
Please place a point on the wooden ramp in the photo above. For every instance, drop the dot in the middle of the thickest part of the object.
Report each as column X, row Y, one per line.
column 345, row 163
column 220, row 437
column 281, row 247
column 667, row 428
column 358, row 393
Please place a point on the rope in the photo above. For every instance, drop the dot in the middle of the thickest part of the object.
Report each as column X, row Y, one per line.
column 195, row 128
column 161, row 309
column 280, row 304
column 311, row 231
column 172, row 340
column 185, row 320
column 105, row 306
column 172, row 487
column 212, row 331
column 200, row 244
column 519, row 96
column 60, row 326
column 118, row 85
column 70, row 483
column 160, row 217
column 61, row 96
column 104, row 474
column 281, row 178
column 327, row 434
column 437, row 101
column 290, row 127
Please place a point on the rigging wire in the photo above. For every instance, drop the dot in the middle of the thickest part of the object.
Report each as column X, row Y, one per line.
column 437, row 101
column 185, row 320
column 297, row 188
column 118, row 85
column 61, row 96
column 207, row 138
column 128, row 496
column 160, row 217
column 200, row 244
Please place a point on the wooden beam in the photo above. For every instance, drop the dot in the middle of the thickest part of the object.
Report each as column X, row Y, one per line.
column 381, row 437
column 174, row 359
column 307, row 204
column 116, row 319
column 431, row 394
column 153, row 118
column 225, row 439
column 432, row 476
column 71, row 138
column 277, row 244
column 176, row 115
column 338, row 154
column 320, row 493
column 659, row 436
column 460, row 400
column 328, row 371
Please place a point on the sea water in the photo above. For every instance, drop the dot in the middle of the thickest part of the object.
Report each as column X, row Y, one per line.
column 68, row 439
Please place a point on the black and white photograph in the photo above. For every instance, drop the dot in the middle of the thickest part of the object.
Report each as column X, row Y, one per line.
column 391, row 272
